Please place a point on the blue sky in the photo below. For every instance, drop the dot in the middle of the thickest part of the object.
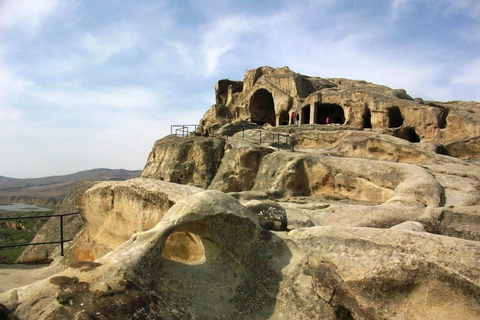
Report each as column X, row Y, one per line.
column 89, row 84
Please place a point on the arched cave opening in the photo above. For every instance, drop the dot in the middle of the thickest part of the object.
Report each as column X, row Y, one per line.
column 412, row 135
column 184, row 247
column 329, row 113
column 407, row 133
column 395, row 118
column 306, row 114
column 284, row 118
column 262, row 108
column 367, row 119
column 442, row 119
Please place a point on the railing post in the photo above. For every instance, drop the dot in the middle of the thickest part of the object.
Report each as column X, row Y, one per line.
column 61, row 234
column 286, row 142
column 243, row 133
column 278, row 141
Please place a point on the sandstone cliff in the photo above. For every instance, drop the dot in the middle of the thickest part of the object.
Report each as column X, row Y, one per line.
column 374, row 215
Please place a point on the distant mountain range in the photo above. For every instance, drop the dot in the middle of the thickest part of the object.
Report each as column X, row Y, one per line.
column 50, row 191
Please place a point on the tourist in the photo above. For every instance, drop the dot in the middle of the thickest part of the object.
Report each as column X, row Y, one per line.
column 292, row 118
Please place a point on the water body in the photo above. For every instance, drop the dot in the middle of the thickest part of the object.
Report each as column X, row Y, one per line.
column 22, row 207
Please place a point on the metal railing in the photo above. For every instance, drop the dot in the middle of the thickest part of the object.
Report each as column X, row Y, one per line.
column 182, row 130
column 289, row 140
column 62, row 240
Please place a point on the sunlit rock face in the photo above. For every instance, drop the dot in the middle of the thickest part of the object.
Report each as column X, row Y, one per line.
column 192, row 160
column 209, row 257
column 373, row 215
column 268, row 96
column 113, row 211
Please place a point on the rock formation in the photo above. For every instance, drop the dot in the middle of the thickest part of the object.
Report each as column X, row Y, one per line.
column 374, row 215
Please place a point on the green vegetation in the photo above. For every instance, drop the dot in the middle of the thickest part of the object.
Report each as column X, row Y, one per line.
column 18, row 231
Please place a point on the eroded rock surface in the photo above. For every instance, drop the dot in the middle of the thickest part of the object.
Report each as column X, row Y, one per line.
column 376, row 213
column 239, row 166
column 113, row 211
column 231, row 268
column 192, row 160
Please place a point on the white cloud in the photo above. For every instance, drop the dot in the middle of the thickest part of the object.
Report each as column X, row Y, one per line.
column 73, row 97
column 12, row 86
column 110, row 41
column 399, row 7
column 25, row 14
column 87, row 90
column 221, row 37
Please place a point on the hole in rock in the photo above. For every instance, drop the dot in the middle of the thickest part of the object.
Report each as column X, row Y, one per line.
column 395, row 118
column 412, row 136
column 329, row 113
column 262, row 108
column 306, row 114
column 184, row 247
column 367, row 119
column 284, row 118
column 442, row 119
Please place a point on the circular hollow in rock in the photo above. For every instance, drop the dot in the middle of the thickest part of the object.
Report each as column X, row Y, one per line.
column 184, row 247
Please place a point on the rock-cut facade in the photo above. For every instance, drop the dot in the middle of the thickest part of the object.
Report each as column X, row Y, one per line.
column 269, row 96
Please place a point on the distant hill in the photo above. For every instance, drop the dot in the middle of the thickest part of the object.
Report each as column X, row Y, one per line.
column 50, row 191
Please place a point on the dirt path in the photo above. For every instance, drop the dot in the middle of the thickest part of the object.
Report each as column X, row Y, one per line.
column 17, row 275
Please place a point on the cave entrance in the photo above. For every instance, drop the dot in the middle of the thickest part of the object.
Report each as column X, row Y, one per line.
column 412, row 136
column 262, row 108
column 367, row 119
column 329, row 113
column 306, row 115
column 283, row 121
column 395, row 118
column 442, row 120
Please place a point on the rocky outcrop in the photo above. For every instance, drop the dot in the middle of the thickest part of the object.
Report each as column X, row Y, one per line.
column 464, row 149
column 301, row 174
column 192, row 160
column 225, row 277
column 373, row 215
column 228, row 267
column 268, row 96
column 374, row 274
column 461, row 222
column 239, row 166
column 113, row 211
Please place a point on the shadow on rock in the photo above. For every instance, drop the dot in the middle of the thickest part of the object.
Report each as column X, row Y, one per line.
column 213, row 262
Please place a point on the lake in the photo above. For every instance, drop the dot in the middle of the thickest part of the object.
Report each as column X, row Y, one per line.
column 22, row 207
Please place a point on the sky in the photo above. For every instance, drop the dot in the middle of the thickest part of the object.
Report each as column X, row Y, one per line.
column 93, row 84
